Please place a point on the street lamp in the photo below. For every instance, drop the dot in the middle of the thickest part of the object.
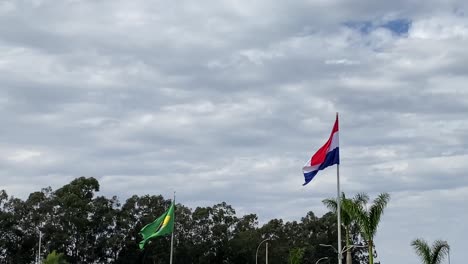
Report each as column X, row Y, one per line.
column 38, row 256
column 256, row 253
column 324, row 258
column 334, row 249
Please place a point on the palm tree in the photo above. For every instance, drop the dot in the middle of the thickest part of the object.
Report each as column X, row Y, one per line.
column 55, row 258
column 368, row 218
column 429, row 255
column 296, row 255
column 346, row 219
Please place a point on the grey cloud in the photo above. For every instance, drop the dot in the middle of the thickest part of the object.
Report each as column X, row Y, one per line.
column 226, row 101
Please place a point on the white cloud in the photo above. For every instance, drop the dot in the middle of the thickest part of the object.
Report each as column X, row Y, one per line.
column 23, row 155
column 440, row 28
column 342, row 61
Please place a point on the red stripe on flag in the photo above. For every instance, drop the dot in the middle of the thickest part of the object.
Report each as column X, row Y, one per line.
column 319, row 156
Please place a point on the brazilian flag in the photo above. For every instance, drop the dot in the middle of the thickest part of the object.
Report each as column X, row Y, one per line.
column 163, row 225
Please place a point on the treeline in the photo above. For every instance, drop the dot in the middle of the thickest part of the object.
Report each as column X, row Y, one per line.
column 87, row 228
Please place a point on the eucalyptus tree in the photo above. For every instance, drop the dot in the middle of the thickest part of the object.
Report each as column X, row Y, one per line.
column 73, row 208
column 346, row 219
column 368, row 218
column 95, row 229
column 428, row 254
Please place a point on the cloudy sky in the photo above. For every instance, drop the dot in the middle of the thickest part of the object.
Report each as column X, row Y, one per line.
column 226, row 100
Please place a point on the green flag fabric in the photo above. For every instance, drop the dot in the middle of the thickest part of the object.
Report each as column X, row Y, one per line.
column 163, row 225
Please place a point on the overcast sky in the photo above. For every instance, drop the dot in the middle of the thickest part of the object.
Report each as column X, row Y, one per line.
column 226, row 100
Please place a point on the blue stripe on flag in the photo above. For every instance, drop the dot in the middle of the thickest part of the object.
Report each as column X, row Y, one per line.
column 332, row 158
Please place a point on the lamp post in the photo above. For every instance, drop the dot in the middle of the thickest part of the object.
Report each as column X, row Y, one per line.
column 324, row 258
column 256, row 253
column 325, row 245
column 38, row 255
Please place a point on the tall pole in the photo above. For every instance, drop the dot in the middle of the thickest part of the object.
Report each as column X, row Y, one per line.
column 338, row 202
column 256, row 252
column 173, row 230
column 39, row 252
column 266, row 253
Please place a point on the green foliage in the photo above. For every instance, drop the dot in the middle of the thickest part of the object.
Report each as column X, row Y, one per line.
column 89, row 228
column 368, row 218
column 54, row 258
column 296, row 255
column 346, row 219
column 431, row 255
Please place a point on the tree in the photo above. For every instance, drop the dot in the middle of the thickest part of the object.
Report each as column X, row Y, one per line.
column 431, row 255
column 368, row 218
column 9, row 231
column 346, row 220
column 88, row 228
column 296, row 255
column 16, row 241
column 245, row 239
column 54, row 258
column 73, row 208
column 135, row 213
column 103, row 219
column 279, row 243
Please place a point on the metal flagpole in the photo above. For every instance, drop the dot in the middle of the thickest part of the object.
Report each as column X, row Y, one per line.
column 339, row 211
column 338, row 202
column 173, row 230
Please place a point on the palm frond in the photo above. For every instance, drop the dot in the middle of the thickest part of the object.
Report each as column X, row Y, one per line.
column 330, row 204
column 343, row 196
column 439, row 251
column 422, row 250
column 361, row 198
column 358, row 213
column 376, row 211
